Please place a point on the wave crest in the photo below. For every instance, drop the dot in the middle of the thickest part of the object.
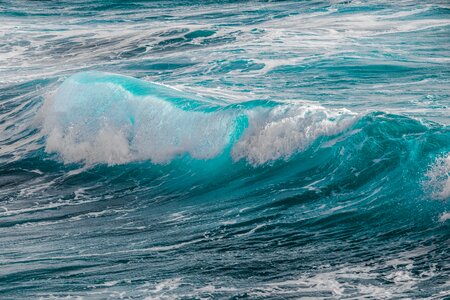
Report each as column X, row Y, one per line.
column 284, row 130
column 105, row 118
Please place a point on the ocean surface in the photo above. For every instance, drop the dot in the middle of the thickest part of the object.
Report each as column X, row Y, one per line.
column 224, row 149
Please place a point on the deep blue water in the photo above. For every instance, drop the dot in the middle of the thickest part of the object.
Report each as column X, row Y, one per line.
column 237, row 150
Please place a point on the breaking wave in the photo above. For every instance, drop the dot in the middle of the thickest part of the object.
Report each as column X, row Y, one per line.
column 104, row 118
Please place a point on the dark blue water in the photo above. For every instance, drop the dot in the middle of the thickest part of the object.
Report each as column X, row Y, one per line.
column 260, row 150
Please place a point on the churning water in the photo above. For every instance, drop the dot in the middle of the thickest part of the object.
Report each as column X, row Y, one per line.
column 228, row 149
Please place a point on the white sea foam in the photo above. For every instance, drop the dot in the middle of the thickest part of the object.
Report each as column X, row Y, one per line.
column 281, row 132
column 439, row 177
column 444, row 217
column 104, row 123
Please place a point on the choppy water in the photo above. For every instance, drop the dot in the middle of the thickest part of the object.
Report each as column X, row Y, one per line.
column 224, row 150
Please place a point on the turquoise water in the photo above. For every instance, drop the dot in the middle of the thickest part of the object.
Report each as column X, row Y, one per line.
column 260, row 150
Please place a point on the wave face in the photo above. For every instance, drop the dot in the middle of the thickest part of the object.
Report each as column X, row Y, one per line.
column 223, row 150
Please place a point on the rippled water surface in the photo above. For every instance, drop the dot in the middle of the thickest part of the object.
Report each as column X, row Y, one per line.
column 260, row 150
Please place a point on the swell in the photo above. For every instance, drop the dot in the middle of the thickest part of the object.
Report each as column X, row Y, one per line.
column 102, row 118
column 119, row 137
column 148, row 141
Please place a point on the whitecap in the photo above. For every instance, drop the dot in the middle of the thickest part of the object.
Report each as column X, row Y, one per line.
column 439, row 177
